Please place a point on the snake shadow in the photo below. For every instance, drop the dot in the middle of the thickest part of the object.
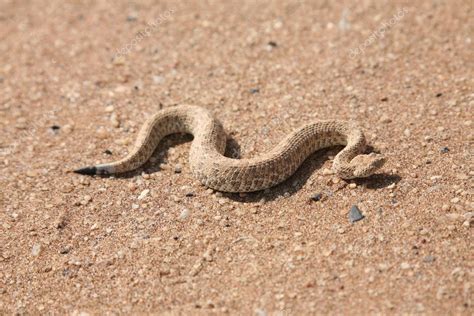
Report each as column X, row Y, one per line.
column 288, row 187
column 160, row 155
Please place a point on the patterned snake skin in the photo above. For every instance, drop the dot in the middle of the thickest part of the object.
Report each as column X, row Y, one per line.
column 221, row 173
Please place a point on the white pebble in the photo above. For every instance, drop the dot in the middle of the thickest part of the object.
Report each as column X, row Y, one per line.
column 36, row 250
column 143, row 194
column 455, row 200
column 158, row 79
column 184, row 214
column 405, row 266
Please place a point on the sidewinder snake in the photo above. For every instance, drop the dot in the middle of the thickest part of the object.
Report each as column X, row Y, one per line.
column 214, row 170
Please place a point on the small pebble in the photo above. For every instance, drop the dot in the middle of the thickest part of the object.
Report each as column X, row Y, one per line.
column 132, row 186
column 327, row 171
column 107, row 152
column 118, row 60
column 55, row 128
column 158, row 79
column 132, row 16
column 444, row 150
column 429, row 259
column 86, row 199
column 177, row 168
column 352, row 186
column 31, row 173
column 143, row 194
column 254, row 90
column 115, row 120
column 452, row 103
column 68, row 128
column 316, row 197
column 184, row 214
column 36, row 250
column 355, row 214
column 405, row 266
column 385, row 119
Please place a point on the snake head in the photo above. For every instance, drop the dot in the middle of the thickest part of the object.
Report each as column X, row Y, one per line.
column 361, row 166
column 366, row 165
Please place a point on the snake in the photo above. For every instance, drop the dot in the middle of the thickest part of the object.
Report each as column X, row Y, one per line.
column 214, row 170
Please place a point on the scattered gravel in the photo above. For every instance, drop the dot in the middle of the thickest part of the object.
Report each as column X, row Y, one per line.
column 253, row 67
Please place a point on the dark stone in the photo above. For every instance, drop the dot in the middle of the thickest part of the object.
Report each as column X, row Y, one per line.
column 316, row 197
column 384, row 99
column 64, row 250
column 272, row 44
column 444, row 150
column 439, row 94
column 190, row 194
column 355, row 214
column 254, row 90
column 55, row 128
column 107, row 152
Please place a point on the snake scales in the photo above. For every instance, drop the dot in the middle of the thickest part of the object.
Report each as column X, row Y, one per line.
column 221, row 173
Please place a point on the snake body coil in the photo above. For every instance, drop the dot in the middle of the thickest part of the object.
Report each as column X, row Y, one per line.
column 221, row 173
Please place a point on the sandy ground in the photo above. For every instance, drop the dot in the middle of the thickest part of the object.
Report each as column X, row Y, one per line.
column 77, row 79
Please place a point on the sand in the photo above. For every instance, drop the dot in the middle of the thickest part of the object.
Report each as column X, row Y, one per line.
column 78, row 78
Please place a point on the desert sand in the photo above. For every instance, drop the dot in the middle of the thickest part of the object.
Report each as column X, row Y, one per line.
column 78, row 78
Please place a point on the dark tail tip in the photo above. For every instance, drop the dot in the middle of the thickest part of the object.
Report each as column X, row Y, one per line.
column 87, row 171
